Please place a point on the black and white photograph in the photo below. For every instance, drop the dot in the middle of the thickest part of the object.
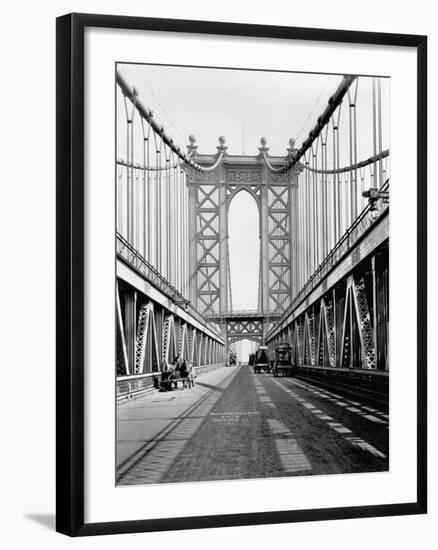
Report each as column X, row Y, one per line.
column 217, row 271
column 252, row 273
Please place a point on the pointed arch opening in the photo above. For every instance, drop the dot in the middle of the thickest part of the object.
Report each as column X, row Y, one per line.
column 244, row 251
column 243, row 348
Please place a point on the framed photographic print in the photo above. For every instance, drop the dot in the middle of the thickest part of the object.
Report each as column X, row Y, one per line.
column 241, row 290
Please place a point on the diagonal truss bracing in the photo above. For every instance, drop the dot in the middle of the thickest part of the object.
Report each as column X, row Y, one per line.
column 279, row 247
column 207, row 248
column 146, row 348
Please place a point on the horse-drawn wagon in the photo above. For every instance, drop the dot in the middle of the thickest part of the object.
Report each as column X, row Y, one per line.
column 283, row 362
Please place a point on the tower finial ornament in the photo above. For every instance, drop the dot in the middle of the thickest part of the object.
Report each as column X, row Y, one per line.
column 263, row 150
column 192, row 148
column 221, row 147
column 291, row 149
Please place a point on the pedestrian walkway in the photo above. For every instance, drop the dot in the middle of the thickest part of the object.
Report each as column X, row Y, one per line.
column 158, row 424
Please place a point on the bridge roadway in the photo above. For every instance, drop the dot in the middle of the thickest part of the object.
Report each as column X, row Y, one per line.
column 235, row 424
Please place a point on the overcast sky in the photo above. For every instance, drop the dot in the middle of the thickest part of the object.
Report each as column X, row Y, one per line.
column 233, row 103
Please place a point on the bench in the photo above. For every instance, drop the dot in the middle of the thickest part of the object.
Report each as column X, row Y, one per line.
column 173, row 383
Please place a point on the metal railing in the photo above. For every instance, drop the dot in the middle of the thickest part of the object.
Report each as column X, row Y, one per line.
column 135, row 260
column 244, row 313
column 128, row 253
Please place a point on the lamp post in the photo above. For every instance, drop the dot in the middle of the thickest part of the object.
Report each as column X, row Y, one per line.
column 373, row 195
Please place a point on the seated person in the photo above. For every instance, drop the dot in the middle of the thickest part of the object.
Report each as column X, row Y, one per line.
column 168, row 380
column 172, row 378
column 186, row 375
column 178, row 363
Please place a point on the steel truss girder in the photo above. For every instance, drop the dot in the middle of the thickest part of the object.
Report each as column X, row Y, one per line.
column 337, row 330
column 326, row 347
column 157, row 335
column 299, row 347
column 169, row 341
column 192, row 345
column 207, row 248
column 309, row 336
column 356, row 306
column 254, row 337
column 184, row 349
column 240, row 329
column 330, row 328
column 322, row 343
column 122, row 366
column 279, row 247
column 200, row 349
column 146, row 334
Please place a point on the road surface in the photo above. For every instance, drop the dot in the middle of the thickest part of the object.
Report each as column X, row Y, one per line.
column 235, row 424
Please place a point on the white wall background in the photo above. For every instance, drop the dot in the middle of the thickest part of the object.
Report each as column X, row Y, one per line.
column 27, row 217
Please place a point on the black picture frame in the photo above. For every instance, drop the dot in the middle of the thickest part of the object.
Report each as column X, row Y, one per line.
column 70, row 273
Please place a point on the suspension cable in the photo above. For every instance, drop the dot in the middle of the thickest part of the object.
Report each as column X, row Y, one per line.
column 324, row 119
column 131, row 93
column 356, row 166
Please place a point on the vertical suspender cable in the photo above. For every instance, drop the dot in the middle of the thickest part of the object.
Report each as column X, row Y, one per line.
column 335, row 189
column 185, row 270
column 164, row 211
column 180, row 185
column 120, row 172
column 350, row 207
column 375, row 182
column 171, row 221
column 186, row 233
column 128, row 173
column 174, row 205
column 297, row 237
column 316, row 206
column 338, row 183
column 150, row 196
column 185, row 266
column 306, row 207
column 323, row 199
column 156, row 201
column 336, row 179
column 303, row 228
column 309, row 222
column 301, row 240
column 352, row 98
column 136, row 195
column 314, row 212
column 168, row 208
column 130, row 168
column 143, row 225
column 379, row 129
column 178, row 235
column 362, row 185
column 158, row 205
column 146, row 218
column 131, row 213
column 182, row 230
